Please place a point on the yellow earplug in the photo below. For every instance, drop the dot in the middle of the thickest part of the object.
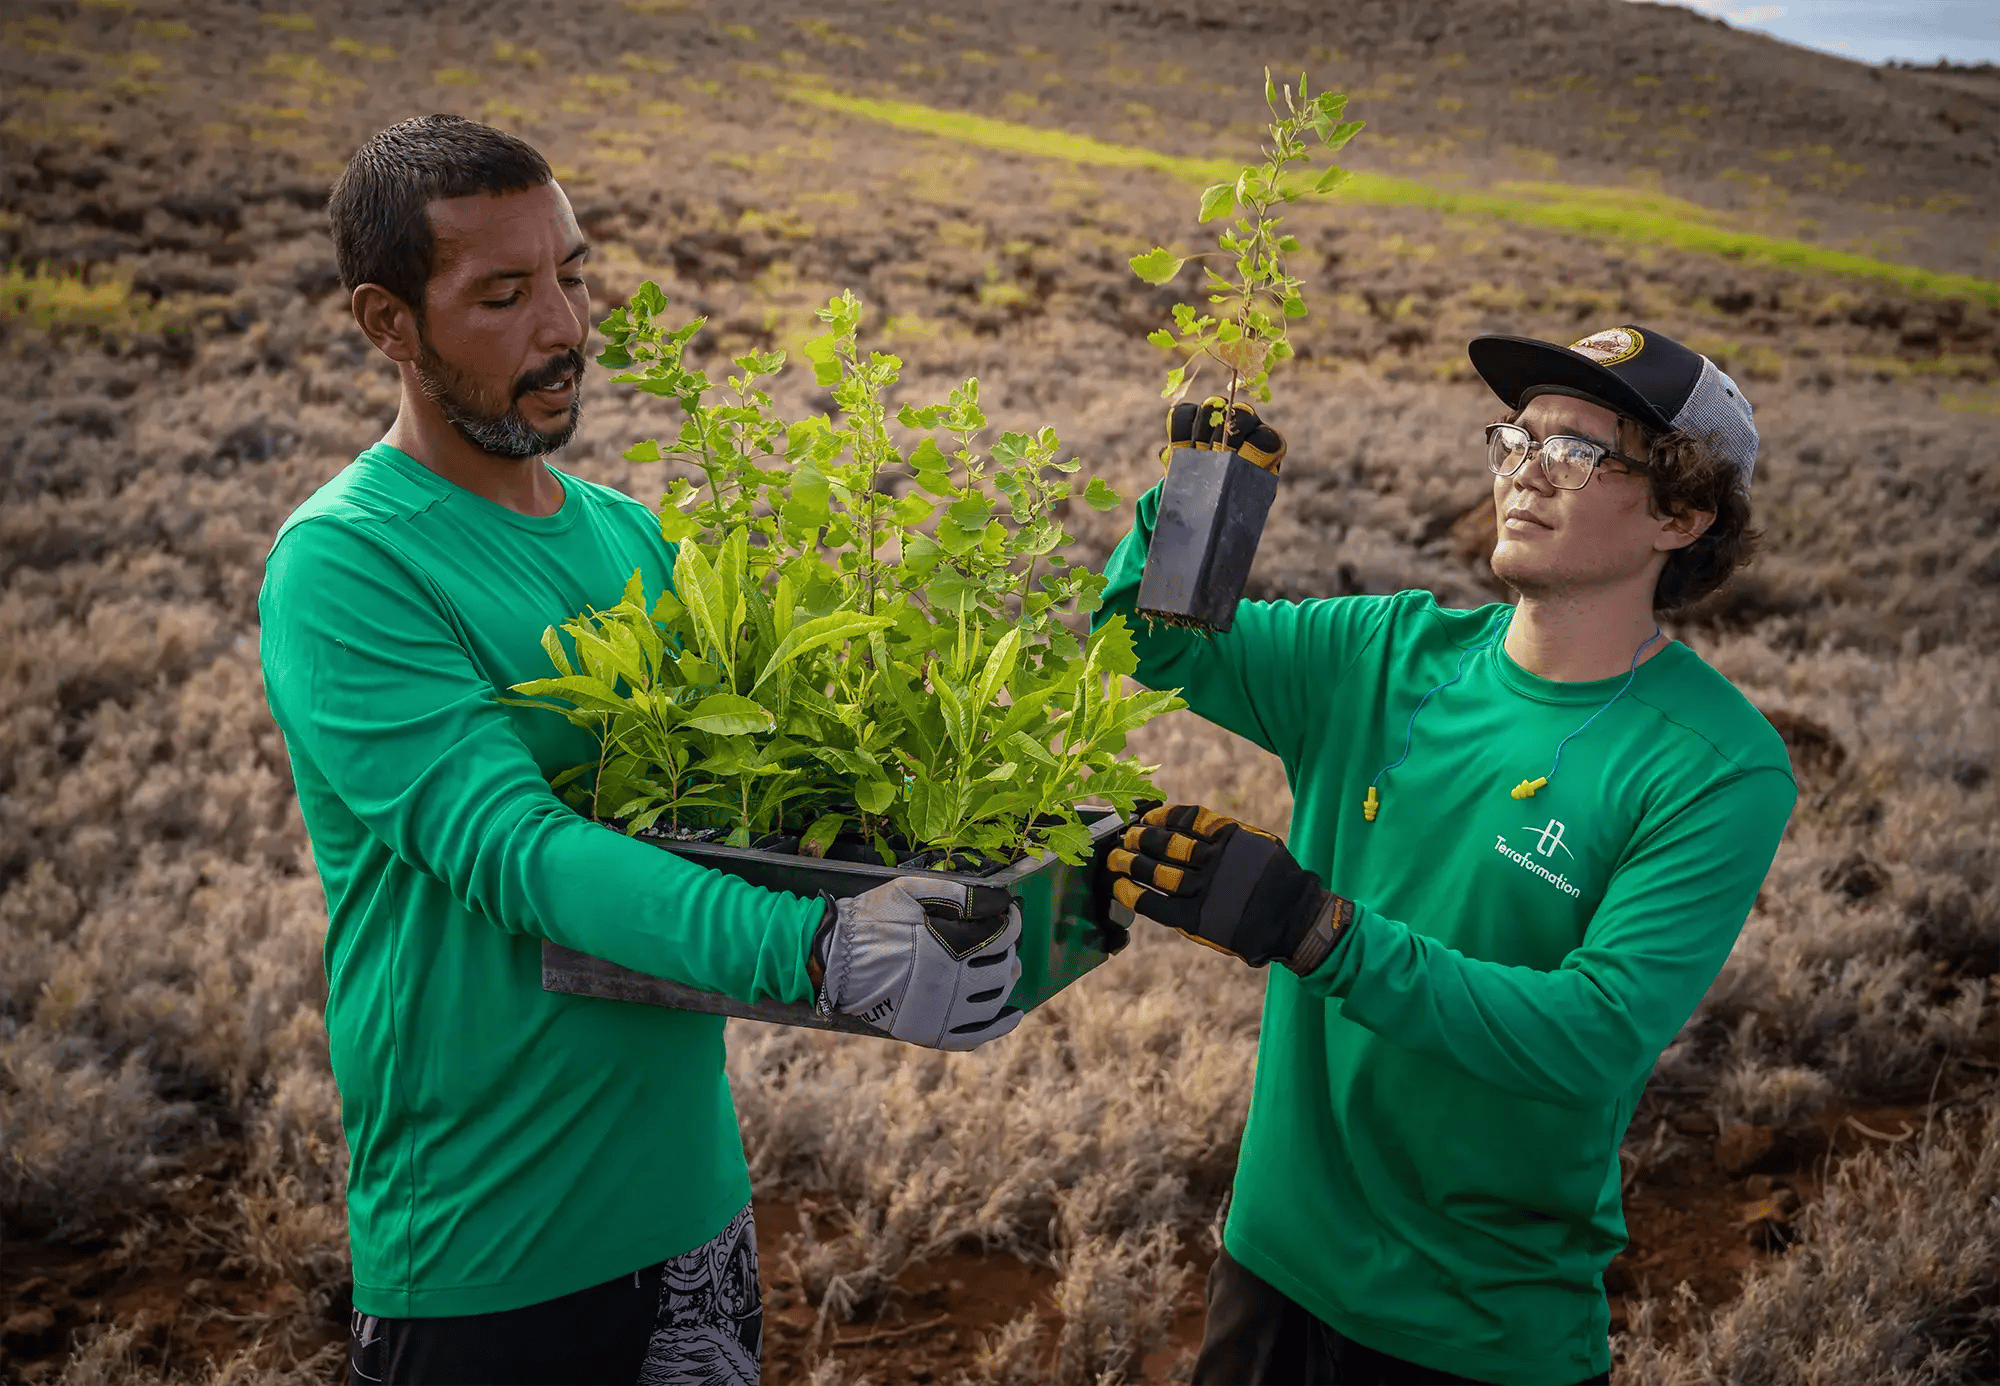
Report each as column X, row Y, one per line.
column 1526, row 788
column 1371, row 805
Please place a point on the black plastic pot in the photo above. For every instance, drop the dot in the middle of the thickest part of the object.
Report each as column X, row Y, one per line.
column 1068, row 926
column 1212, row 513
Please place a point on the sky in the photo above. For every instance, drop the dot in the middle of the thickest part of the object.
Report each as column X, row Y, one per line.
column 1874, row 31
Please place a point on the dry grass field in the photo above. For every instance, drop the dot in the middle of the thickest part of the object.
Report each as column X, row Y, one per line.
column 1814, row 1177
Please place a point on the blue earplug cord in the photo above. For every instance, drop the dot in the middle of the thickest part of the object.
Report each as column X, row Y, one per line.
column 1526, row 789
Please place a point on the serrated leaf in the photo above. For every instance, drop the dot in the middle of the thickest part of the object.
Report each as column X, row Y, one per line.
column 647, row 451
column 1157, row 266
column 1161, row 338
column 1338, row 137
column 1099, row 496
column 823, row 353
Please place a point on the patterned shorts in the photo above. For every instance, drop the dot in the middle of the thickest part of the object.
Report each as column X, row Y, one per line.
column 694, row 1320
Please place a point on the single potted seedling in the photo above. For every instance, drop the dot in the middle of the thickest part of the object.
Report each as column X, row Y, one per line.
column 1215, row 502
column 865, row 663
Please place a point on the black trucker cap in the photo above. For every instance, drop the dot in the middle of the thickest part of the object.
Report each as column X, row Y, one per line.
column 1633, row 371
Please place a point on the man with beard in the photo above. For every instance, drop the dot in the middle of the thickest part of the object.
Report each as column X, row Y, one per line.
column 542, row 1188
column 1526, row 837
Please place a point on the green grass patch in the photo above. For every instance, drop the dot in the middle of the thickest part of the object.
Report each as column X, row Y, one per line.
column 44, row 304
column 1618, row 215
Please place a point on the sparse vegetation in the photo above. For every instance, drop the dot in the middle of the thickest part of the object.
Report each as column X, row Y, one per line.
column 171, row 1164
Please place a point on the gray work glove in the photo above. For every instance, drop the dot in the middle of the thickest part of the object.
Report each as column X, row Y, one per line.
column 924, row 960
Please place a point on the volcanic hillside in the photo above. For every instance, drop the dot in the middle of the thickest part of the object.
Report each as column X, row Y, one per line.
column 1818, row 1160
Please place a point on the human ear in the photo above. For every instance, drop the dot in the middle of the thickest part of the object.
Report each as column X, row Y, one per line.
column 1678, row 531
column 387, row 321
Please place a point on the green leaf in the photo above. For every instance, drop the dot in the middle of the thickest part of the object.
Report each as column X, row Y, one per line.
column 696, row 582
column 1161, row 338
column 728, row 714
column 553, row 646
column 648, row 451
column 816, row 839
column 1112, row 649
column 1071, row 842
column 1331, row 179
column 593, row 695
column 823, row 353
column 971, row 512
column 1295, row 307
column 999, row 667
column 677, row 527
column 1099, row 496
column 1157, row 266
column 820, row 631
column 954, row 703
column 1217, row 200
column 1338, row 137
column 874, row 796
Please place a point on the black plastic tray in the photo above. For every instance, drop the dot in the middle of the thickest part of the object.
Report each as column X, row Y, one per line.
column 1068, row 927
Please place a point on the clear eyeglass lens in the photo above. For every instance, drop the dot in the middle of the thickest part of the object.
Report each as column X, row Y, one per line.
column 1569, row 461
column 1506, row 449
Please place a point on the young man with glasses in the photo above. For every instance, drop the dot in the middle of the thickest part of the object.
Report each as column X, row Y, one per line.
column 1526, row 837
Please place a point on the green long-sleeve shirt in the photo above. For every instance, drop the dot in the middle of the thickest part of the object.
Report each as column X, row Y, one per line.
column 1431, row 1159
column 508, row 1145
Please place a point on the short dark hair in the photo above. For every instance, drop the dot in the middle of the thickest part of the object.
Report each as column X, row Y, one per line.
column 379, row 207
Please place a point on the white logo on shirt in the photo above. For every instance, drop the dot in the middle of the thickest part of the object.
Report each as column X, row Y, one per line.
column 1548, row 840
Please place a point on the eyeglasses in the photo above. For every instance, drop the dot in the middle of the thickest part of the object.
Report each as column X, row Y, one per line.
column 1567, row 461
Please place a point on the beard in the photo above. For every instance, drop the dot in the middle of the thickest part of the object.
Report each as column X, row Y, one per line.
column 501, row 431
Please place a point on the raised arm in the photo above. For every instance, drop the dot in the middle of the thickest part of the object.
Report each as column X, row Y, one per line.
column 1262, row 677
column 374, row 690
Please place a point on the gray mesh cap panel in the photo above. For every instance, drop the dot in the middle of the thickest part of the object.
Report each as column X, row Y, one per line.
column 1716, row 411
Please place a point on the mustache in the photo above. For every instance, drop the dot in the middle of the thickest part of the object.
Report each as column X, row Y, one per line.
column 558, row 369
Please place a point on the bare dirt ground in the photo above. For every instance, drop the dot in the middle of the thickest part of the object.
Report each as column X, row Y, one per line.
column 1814, row 1162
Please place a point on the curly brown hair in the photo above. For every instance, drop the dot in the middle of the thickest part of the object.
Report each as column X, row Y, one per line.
column 1684, row 476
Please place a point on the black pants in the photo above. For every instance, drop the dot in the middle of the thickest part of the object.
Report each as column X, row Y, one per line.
column 1257, row 1336
column 696, row 1317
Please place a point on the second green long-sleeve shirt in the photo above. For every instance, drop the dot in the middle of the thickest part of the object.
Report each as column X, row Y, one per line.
column 1431, row 1159
column 508, row 1145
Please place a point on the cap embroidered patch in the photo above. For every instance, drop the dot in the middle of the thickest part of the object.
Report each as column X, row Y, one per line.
column 1611, row 346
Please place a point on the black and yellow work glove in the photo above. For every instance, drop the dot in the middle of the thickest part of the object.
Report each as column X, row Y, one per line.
column 1250, row 438
column 1227, row 885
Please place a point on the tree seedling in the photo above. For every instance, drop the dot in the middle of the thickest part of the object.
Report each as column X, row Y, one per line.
column 868, row 635
column 1213, row 507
